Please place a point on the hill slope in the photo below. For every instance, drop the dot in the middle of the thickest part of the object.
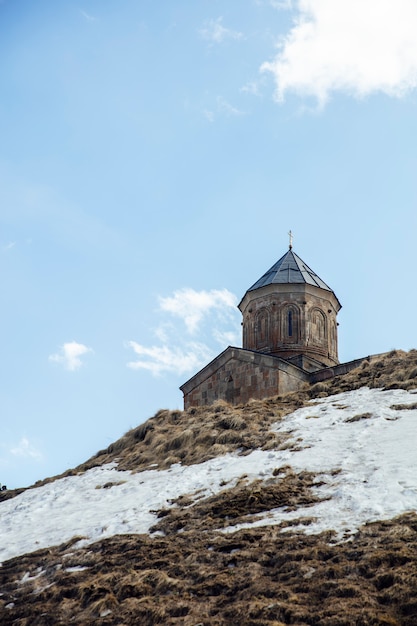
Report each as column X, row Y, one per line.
column 296, row 510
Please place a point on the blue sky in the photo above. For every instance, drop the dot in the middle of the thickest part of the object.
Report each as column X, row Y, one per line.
column 153, row 157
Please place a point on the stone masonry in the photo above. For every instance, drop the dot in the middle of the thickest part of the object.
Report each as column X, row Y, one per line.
column 238, row 375
column 289, row 340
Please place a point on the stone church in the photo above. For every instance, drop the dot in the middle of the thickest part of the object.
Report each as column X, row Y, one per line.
column 289, row 339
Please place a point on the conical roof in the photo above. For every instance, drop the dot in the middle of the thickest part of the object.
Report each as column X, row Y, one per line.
column 290, row 269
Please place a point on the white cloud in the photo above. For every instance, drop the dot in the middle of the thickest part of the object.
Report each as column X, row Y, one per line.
column 25, row 449
column 225, row 107
column 355, row 46
column 191, row 306
column 213, row 314
column 158, row 359
column 226, row 337
column 276, row 4
column 215, row 32
column 9, row 246
column 281, row 4
column 163, row 332
column 69, row 355
column 252, row 88
column 209, row 115
column 87, row 16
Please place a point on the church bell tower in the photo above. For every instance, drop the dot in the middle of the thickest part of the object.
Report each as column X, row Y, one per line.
column 290, row 312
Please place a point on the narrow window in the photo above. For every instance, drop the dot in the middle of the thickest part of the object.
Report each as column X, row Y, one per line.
column 262, row 329
column 290, row 323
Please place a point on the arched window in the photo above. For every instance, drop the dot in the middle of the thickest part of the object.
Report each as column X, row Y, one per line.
column 290, row 324
column 262, row 329
column 333, row 337
column 318, row 327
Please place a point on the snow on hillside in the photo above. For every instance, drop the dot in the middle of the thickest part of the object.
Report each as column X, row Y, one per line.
column 364, row 450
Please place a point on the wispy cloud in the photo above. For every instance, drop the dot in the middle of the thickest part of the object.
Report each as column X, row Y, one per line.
column 191, row 306
column 226, row 337
column 69, row 355
column 211, row 314
column 225, row 107
column 252, row 88
column 222, row 108
column 215, row 32
column 87, row 16
column 9, row 246
column 158, row 359
column 209, row 115
column 352, row 46
column 25, row 449
column 281, row 4
column 276, row 4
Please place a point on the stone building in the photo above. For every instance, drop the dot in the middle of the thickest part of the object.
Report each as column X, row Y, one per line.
column 291, row 313
column 289, row 339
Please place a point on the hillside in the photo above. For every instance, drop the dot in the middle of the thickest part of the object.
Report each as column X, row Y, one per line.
column 300, row 509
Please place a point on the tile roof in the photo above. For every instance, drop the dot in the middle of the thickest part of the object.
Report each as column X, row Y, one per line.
column 290, row 269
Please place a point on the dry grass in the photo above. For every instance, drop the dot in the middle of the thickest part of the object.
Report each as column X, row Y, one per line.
column 401, row 407
column 394, row 370
column 199, row 434
column 190, row 574
column 359, row 417
column 194, row 436
column 239, row 504
column 256, row 577
column 202, row 433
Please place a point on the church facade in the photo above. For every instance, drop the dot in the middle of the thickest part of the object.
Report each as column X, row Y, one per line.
column 289, row 339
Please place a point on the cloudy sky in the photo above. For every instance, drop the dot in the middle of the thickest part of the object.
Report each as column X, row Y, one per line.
column 153, row 157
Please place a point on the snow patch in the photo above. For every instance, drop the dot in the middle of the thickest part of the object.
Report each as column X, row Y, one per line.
column 367, row 465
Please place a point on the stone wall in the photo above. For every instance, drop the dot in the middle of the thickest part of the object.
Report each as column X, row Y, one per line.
column 342, row 368
column 238, row 375
column 296, row 319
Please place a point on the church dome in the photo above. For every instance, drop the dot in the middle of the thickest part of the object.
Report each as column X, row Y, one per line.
column 291, row 312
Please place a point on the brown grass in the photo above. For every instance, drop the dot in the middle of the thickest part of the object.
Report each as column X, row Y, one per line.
column 199, row 434
column 240, row 503
column 256, row 577
column 194, row 436
column 401, row 407
column 359, row 417
column 188, row 573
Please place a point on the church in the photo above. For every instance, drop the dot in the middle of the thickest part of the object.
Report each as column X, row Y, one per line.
column 289, row 339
